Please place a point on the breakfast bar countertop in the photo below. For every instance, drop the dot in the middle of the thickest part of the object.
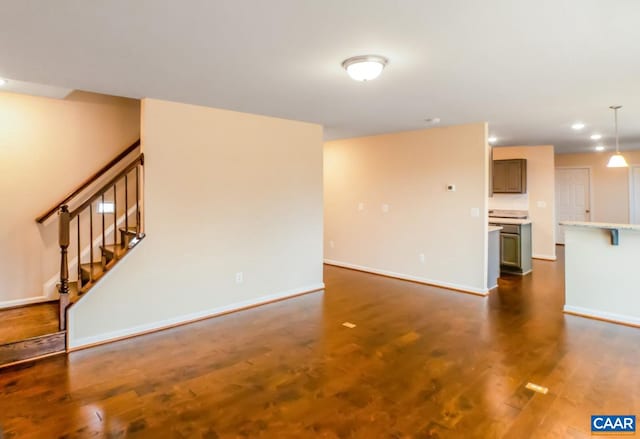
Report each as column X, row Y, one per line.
column 594, row 225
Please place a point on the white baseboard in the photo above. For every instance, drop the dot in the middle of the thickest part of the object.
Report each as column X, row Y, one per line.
column 545, row 257
column 602, row 315
column 22, row 302
column 422, row 280
column 75, row 344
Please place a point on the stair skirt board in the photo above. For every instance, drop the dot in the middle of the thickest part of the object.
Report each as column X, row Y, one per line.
column 447, row 285
column 32, row 348
column 87, row 342
column 49, row 288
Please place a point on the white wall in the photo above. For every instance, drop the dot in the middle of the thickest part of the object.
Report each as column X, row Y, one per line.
column 601, row 280
column 409, row 172
column 539, row 199
column 225, row 192
column 47, row 148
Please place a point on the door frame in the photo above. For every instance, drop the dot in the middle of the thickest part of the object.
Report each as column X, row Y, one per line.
column 632, row 217
column 589, row 169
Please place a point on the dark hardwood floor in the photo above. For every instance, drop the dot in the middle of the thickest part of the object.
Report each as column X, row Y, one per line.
column 421, row 362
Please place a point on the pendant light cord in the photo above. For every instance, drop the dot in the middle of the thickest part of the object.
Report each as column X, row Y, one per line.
column 615, row 109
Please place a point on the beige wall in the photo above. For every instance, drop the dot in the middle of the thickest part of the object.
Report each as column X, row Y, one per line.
column 47, row 148
column 609, row 186
column 540, row 197
column 409, row 172
column 225, row 192
column 601, row 280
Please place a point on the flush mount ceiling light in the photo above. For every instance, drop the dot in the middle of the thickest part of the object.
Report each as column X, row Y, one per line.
column 492, row 139
column 617, row 160
column 365, row 67
column 432, row 120
column 600, row 148
column 3, row 82
column 596, row 136
column 578, row 126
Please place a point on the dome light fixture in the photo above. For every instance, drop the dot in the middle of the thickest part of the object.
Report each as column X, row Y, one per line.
column 3, row 82
column 617, row 160
column 365, row 67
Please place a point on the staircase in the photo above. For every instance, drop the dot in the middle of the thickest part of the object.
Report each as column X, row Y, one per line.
column 98, row 224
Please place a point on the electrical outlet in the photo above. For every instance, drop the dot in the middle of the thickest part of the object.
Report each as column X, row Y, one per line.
column 385, row 208
column 421, row 257
column 475, row 212
column 541, row 204
column 332, row 244
column 361, row 206
column 239, row 277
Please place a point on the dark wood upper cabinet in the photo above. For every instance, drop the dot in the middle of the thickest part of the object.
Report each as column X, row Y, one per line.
column 510, row 176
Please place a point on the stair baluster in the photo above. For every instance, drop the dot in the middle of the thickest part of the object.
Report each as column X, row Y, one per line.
column 78, row 261
column 63, row 240
column 138, row 202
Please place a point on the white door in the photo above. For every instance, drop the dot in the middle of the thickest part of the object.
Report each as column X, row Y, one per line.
column 572, row 197
column 634, row 207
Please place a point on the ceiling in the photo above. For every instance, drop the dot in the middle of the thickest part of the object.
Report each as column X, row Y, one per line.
column 530, row 69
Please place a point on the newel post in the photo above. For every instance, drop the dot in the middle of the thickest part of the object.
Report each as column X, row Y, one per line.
column 63, row 239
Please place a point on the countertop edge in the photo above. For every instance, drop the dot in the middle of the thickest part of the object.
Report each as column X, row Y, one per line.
column 594, row 225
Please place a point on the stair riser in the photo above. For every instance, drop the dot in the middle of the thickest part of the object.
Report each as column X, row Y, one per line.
column 22, row 350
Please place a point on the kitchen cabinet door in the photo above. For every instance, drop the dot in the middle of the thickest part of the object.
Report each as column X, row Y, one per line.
column 510, row 176
column 510, row 250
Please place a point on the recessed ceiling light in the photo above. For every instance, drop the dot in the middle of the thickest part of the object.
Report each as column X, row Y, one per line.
column 578, row 126
column 3, row 82
column 596, row 136
column 432, row 120
column 600, row 148
column 492, row 139
column 365, row 67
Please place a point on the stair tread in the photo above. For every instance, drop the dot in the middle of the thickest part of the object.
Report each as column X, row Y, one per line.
column 94, row 267
column 28, row 321
column 131, row 230
column 116, row 249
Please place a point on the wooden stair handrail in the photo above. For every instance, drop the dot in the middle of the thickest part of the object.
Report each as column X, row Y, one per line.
column 138, row 160
column 42, row 218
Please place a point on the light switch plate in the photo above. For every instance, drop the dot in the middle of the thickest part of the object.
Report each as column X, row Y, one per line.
column 475, row 212
column 385, row 208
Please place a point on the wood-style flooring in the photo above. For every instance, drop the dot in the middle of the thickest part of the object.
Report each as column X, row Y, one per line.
column 28, row 321
column 422, row 362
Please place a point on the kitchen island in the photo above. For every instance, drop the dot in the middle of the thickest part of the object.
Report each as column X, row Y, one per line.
column 602, row 271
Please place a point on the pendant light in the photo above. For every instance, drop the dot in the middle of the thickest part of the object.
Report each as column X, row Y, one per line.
column 617, row 160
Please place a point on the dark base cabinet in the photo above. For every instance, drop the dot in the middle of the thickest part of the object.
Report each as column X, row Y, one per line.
column 515, row 248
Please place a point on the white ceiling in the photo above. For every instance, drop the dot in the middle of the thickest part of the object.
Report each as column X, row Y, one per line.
column 528, row 68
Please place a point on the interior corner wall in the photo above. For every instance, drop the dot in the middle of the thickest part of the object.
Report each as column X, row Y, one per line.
column 540, row 197
column 387, row 208
column 47, row 148
column 609, row 186
column 225, row 193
